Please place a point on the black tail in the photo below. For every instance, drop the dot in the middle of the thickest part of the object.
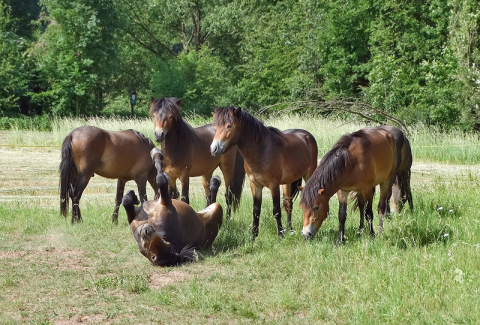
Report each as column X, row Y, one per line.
column 406, row 192
column 186, row 255
column 68, row 175
column 238, row 180
column 294, row 188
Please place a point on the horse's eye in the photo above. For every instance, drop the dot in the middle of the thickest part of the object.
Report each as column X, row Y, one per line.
column 315, row 208
column 229, row 126
column 153, row 258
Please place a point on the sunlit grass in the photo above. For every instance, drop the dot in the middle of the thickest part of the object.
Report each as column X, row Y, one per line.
column 422, row 269
column 453, row 147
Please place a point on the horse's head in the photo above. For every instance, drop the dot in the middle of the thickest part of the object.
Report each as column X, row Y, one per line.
column 166, row 114
column 226, row 121
column 314, row 213
column 152, row 246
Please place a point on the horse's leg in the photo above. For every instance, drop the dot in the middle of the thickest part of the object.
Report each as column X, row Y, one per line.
column 185, row 180
column 206, row 186
column 227, row 171
column 342, row 214
column 257, row 208
column 118, row 198
column 361, row 208
column 287, row 204
column 385, row 188
column 82, row 182
column 142, row 187
column 277, row 210
column 172, row 187
column 368, row 198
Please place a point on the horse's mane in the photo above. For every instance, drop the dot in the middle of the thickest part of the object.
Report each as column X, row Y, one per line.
column 255, row 127
column 143, row 138
column 169, row 105
column 332, row 165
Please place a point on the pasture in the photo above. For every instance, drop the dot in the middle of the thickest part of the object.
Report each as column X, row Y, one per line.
column 424, row 268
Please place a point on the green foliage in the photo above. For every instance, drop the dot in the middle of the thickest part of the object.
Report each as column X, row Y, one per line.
column 198, row 78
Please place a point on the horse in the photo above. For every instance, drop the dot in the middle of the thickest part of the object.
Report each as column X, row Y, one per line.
column 403, row 164
column 89, row 150
column 357, row 162
column 168, row 231
column 272, row 158
column 187, row 154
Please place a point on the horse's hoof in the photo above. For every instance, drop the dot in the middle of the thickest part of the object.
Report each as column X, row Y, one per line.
column 292, row 232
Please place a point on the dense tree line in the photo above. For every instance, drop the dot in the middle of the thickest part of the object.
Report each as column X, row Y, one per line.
column 417, row 60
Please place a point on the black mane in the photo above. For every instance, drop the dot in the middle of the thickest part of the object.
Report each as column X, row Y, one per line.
column 332, row 165
column 170, row 105
column 143, row 138
column 255, row 127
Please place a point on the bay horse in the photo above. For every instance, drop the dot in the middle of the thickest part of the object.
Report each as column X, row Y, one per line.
column 401, row 189
column 187, row 153
column 168, row 231
column 89, row 150
column 272, row 158
column 357, row 162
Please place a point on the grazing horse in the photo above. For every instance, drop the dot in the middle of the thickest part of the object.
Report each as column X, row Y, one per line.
column 272, row 158
column 187, row 153
column 403, row 164
column 89, row 150
column 357, row 162
column 168, row 231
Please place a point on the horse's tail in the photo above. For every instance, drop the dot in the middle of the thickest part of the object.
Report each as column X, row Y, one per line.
column 238, row 180
column 188, row 254
column 404, row 185
column 68, row 175
column 295, row 188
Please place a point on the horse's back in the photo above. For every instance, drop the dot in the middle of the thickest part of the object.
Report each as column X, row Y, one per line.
column 372, row 155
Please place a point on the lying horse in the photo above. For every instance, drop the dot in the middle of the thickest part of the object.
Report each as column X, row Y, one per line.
column 187, row 153
column 89, row 150
column 169, row 231
column 357, row 162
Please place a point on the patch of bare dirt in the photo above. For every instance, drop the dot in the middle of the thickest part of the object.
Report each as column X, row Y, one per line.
column 160, row 280
column 86, row 319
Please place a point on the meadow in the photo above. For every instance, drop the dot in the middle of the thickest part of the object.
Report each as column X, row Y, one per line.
column 424, row 268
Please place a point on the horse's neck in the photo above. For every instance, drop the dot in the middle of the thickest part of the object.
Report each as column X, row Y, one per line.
column 252, row 150
column 173, row 145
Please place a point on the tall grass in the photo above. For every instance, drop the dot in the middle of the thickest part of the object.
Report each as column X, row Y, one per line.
column 428, row 144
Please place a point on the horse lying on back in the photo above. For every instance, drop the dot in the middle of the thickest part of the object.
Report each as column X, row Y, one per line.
column 168, row 231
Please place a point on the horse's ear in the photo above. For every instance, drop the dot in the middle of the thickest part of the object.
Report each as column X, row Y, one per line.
column 320, row 191
column 179, row 102
column 237, row 111
column 153, row 100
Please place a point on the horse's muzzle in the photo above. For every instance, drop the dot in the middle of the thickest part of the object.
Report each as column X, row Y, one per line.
column 217, row 148
column 308, row 232
column 159, row 135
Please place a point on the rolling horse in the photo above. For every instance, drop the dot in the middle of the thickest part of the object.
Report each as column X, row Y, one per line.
column 272, row 158
column 357, row 162
column 187, row 153
column 89, row 150
column 168, row 231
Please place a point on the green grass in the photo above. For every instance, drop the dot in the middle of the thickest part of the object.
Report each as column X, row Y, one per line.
column 453, row 147
column 424, row 268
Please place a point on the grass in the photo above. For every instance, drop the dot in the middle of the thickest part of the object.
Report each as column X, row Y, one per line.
column 424, row 268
